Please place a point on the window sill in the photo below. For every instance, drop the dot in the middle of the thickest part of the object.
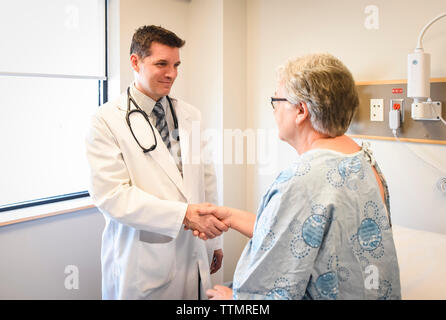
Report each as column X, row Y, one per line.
column 45, row 210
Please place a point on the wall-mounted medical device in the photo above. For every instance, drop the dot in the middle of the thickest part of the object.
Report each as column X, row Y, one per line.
column 418, row 81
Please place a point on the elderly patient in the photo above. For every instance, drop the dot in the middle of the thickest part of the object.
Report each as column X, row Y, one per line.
column 323, row 228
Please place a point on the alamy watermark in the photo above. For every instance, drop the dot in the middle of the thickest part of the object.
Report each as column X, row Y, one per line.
column 371, row 21
column 228, row 146
column 72, row 279
column 371, row 282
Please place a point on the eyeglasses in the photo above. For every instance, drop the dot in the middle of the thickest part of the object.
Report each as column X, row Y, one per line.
column 276, row 99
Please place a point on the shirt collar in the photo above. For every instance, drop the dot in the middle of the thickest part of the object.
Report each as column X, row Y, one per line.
column 145, row 102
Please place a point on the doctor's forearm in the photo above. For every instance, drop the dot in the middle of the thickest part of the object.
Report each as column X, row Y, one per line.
column 138, row 209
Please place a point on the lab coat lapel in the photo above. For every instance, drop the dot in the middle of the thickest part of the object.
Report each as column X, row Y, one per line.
column 166, row 161
column 186, row 143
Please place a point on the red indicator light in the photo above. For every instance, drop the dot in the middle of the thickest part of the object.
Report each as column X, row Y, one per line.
column 397, row 90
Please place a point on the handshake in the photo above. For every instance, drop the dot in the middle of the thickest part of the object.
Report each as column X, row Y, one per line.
column 206, row 220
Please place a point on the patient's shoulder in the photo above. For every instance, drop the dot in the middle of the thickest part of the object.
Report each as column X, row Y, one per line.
column 320, row 169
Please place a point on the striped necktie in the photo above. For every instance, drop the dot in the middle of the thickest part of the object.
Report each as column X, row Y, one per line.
column 161, row 123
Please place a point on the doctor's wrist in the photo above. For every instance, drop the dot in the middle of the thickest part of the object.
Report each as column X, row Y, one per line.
column 187, row 215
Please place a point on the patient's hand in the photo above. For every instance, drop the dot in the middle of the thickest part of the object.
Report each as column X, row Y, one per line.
column 219, row 293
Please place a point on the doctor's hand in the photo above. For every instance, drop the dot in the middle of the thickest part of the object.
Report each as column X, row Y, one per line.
column 219, row 293
column 208, row 225
column 216, row 260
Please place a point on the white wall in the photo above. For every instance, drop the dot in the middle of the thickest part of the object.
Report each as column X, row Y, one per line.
column 34, row 256
column 234, row 117
column 278, row 30
column 203, row 70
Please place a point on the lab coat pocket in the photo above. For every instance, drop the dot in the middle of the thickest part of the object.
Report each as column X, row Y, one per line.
column 156, row 261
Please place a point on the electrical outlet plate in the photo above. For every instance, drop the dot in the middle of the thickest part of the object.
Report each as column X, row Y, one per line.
column 398, row 104
column 376, row 109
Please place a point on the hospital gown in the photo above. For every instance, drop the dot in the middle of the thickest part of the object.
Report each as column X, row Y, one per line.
column 322, row 232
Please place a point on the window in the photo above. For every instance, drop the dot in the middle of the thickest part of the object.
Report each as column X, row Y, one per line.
column 52, row 79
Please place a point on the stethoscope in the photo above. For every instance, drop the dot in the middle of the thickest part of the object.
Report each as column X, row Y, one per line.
column 140, row 111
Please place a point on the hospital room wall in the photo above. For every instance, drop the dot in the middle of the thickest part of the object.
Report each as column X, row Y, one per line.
column 278, row 30
column 37, row 257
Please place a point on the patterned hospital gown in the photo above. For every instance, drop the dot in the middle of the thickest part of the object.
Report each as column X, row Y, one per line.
column 322, row 232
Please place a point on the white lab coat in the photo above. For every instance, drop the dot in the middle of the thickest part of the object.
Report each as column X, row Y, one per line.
column 146, row 254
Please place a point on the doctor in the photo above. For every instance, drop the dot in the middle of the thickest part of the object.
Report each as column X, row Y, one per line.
column 144, row 182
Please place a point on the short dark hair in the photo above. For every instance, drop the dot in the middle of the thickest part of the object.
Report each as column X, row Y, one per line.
column 144, row 36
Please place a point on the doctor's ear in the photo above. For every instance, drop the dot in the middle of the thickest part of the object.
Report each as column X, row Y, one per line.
column 302, row 112
column 134, row 60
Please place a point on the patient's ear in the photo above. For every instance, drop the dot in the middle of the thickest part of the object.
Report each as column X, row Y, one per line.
column 301, row 112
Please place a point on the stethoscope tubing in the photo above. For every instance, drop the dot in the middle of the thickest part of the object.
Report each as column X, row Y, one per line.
column 139, row 110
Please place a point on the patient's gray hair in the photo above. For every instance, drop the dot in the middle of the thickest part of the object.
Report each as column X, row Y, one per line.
column 327, row 87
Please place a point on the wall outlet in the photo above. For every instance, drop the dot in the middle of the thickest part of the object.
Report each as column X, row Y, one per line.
column 376, row 109
column 398, row 104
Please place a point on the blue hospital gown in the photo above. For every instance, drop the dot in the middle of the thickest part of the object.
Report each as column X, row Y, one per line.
column 322, row 232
